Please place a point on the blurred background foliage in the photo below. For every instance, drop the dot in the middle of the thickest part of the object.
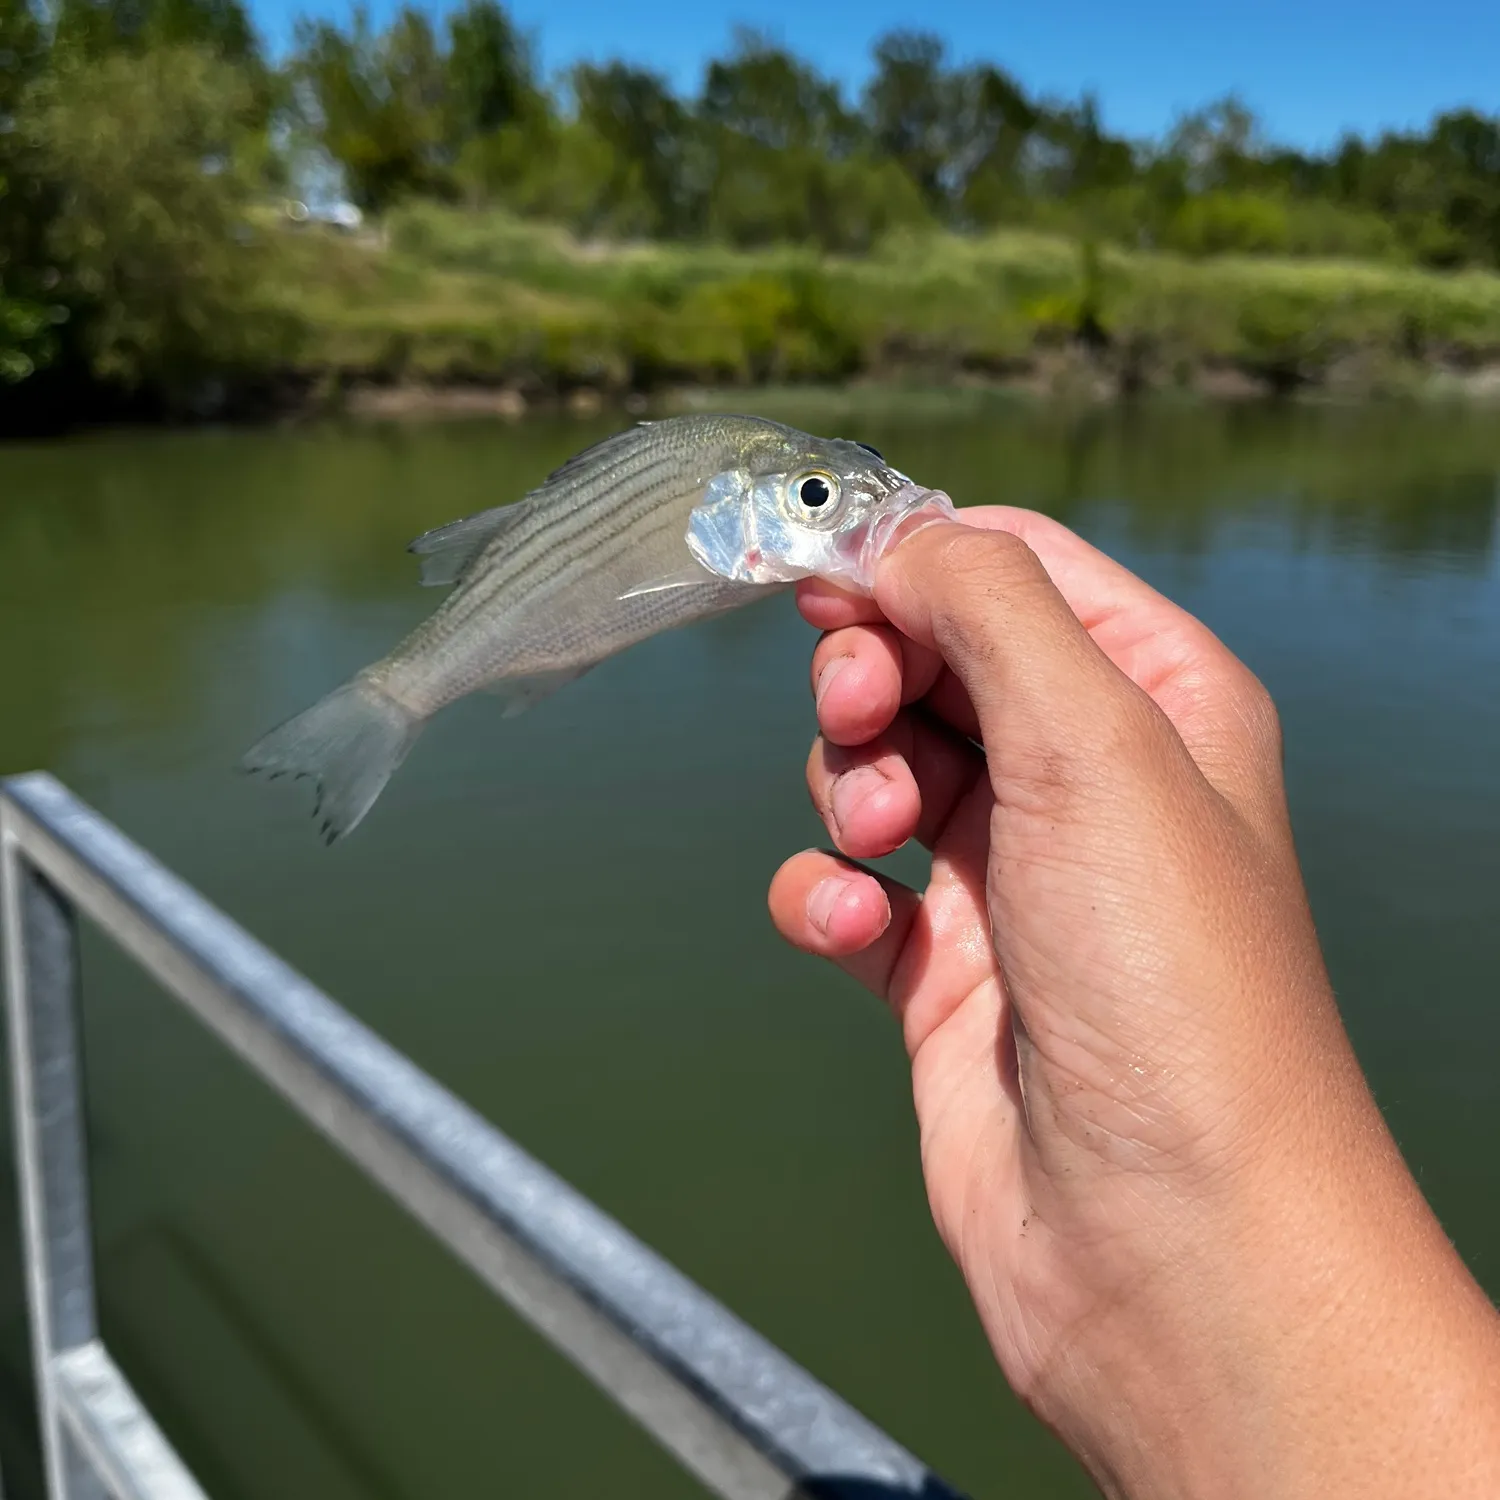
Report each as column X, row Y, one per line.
column 149, row 150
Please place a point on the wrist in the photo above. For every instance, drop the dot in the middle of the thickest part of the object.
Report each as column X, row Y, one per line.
column 1319, row 1339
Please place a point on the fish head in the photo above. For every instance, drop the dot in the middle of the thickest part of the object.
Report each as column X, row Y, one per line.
column 820, row 507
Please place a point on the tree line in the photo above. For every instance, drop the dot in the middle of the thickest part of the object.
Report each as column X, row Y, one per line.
column 137, row 135
column 771, row 150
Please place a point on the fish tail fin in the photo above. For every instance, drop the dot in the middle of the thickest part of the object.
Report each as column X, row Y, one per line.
column 348, row 743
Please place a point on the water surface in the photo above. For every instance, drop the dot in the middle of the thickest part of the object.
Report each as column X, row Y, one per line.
column 562, row 916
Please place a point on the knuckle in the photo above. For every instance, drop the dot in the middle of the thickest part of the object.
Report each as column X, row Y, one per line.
column 1266, row 719
column 1123, row 744
column 980, row 561
column 817, row 776
column 1258, row 712
column 1127, row 731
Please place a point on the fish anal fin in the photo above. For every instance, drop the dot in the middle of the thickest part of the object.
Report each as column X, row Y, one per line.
column 517, row 694
column 447, row 550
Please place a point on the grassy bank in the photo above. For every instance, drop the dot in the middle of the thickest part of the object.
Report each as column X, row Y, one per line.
column 447, row 298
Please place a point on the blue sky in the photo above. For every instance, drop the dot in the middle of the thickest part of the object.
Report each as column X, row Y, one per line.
column 1310, row 68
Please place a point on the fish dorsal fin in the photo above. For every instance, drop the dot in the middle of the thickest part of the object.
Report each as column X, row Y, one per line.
column 447, row 550
column 596, row 455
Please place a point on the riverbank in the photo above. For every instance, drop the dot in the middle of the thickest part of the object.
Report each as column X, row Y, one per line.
column 1081, row 379
column 453, row 311
column 448, row 313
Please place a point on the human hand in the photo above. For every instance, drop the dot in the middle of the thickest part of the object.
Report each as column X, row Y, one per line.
column 1146, row 1140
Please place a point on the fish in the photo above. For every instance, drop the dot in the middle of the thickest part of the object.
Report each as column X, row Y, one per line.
column 656, row 527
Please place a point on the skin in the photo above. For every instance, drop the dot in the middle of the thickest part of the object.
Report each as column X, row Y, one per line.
column 1190, row 1238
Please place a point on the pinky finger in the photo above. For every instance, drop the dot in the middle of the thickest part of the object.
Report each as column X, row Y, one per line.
column 838, row 910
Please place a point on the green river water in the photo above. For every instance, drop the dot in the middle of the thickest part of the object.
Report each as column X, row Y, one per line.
column 562, row 916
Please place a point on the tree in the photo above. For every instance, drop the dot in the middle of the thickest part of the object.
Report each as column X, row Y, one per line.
column 220, row 27
column 23, row 50
column 376, row 104
column 92, row 28
column 26, row 329
column 771, row 132
column 1218, row 147
column 990, row 130
column 1466, row 156
column 765, row 95
column 909, row 105
column 158, row 264
column 647, row 133
column 490, row 81
column 963, row 135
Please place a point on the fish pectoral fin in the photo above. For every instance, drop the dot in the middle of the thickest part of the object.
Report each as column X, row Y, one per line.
column 688, row 577
column 517, row 694
column 447, row 550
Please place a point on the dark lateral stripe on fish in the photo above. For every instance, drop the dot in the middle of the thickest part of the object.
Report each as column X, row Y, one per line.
column 623, row 504
column 554, row 516
column 609, row 488
column 575, row 531
column 557, row 520
column 576, row 534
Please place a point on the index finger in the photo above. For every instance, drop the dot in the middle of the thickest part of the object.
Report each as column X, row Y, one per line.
column 1213, row 700
column 826, row 606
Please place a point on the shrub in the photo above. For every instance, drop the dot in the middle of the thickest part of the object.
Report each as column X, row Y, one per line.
column 1225, row 223
column 151, row 233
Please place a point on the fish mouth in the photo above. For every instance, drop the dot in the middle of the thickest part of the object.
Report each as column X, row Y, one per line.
column 910, row 510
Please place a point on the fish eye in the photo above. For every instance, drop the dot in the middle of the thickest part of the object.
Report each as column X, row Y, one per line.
column 815, row 490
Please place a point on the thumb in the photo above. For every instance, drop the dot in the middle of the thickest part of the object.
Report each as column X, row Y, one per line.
column 1050, row 703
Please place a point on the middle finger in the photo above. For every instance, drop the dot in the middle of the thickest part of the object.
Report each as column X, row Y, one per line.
column 903, row 784
column 861, row 675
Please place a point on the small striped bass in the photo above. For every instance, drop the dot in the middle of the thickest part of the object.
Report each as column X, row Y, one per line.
column 636, row 535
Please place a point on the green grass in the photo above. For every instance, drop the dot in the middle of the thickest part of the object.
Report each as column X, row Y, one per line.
column 449, row 296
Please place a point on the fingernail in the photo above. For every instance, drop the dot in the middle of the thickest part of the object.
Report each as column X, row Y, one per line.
column 824, row 897
column 850, row 789
column 826, row 676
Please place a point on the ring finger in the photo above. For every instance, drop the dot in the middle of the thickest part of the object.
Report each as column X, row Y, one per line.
column 903, row 784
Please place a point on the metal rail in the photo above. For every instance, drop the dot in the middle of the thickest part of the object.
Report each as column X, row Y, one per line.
column 750, row 1423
